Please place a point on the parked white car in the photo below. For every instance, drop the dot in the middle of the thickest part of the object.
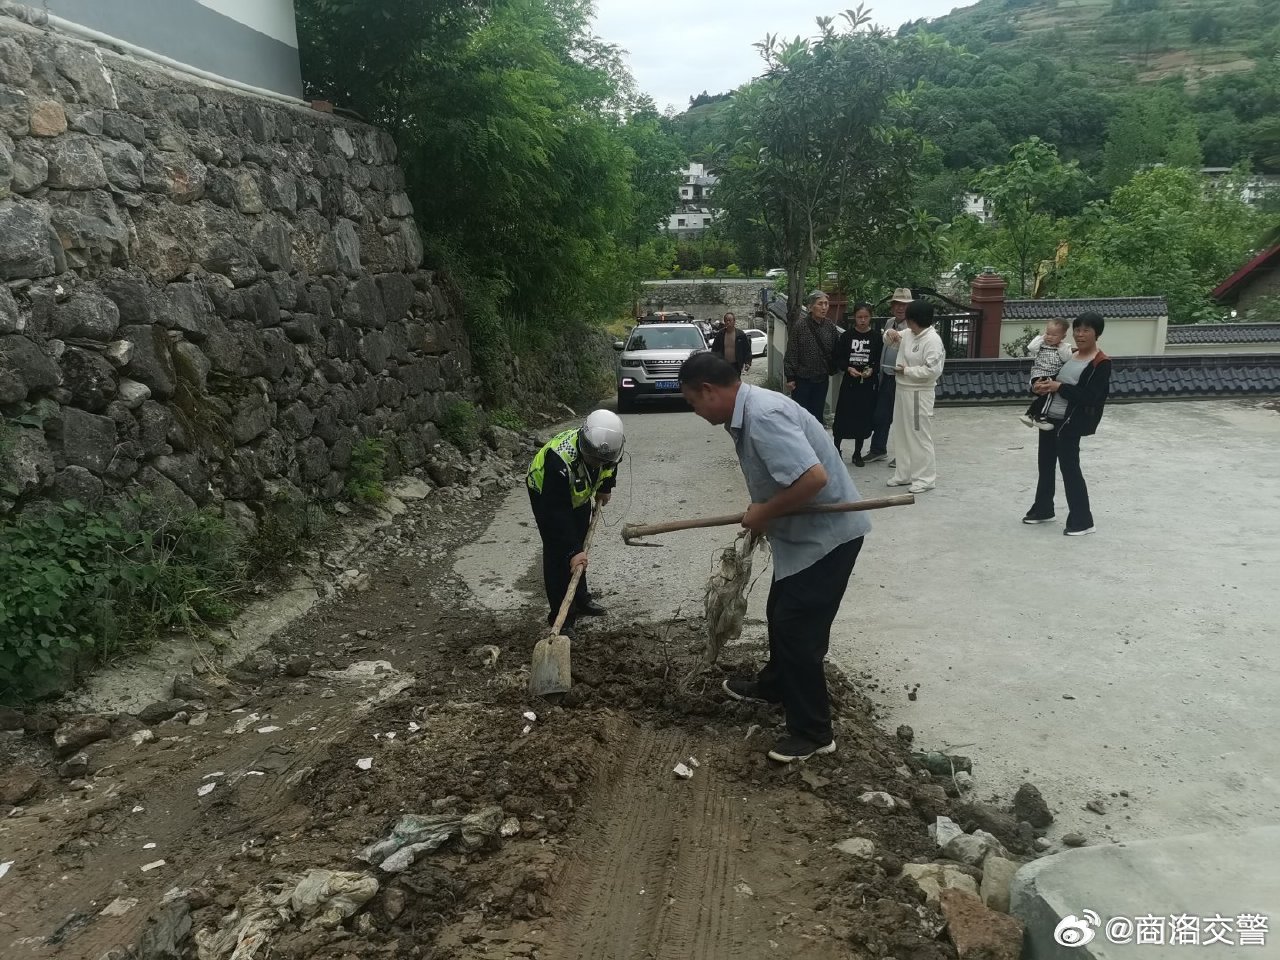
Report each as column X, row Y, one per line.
column 775, row 273
column 759, row 342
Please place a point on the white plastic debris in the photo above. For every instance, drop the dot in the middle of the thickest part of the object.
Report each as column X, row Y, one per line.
column 530, row 716
column 365, row 763
column 510, row 827
column 413, row 727
column 391, row 735
column 148, row 846
column 327, row 897
column 683, row 772
column 205, row 789
column 216, row 773
column 693, row 762
column 254, row 773
column 138, row 809
column 118, row 907
column 415, row 834
column 270, row 729
column 153, row 865
column 525, row 731
column 4, row 867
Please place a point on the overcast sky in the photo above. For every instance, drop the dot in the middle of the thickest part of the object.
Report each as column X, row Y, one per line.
column 678, row 48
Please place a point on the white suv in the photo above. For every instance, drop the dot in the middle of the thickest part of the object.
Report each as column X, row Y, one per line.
column 650, row 359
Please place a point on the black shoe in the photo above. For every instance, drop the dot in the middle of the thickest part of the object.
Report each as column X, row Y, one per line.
column 745, row 690
column 873, row 456
column 858, row 461
column 1077, row 532
column 789, row 749
column 1033, row 517
column 589, row 608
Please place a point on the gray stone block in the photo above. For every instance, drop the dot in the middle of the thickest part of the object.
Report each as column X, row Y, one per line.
column 88, row 315
column 347, row 245
column 23, row 358
column 189, row 309
column 89, row 377
column 152, row 362
column 15, row 62
column 88, row 440
column 29, row 249
column 74, row 164
column 122, row 163
column 30, row 168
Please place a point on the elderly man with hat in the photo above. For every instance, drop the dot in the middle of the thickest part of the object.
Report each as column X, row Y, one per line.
column 810, row 345
column 888, row 369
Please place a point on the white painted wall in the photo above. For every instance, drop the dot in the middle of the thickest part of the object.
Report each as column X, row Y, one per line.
column 1124, row 337
column 1212, row 349
column 273, row 17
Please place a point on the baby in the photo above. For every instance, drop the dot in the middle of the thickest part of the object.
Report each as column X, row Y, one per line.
column 1051, row 352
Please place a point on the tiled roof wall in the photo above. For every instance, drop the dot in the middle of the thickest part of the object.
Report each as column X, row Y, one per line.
column 1132, row 378
column 1109, row 307
column 1224, row 333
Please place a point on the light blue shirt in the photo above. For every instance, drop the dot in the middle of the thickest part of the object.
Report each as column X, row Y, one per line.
column 778, row 441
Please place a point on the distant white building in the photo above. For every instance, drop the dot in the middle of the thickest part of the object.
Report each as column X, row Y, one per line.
column 976, row 205
column 1256, row 186
column 694, row 212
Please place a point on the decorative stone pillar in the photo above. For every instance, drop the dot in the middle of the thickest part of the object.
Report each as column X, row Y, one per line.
column 988, row 299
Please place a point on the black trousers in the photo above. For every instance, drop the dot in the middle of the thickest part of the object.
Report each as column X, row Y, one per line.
column 1061, row 450
column 884, row 414
column 800, row 610
column 812, row 395
column 555, row 556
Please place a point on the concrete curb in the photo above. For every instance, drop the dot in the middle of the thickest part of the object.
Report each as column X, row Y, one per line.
column 1201, row 876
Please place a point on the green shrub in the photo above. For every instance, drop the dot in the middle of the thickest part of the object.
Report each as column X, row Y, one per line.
column 1018, row 348
column 78, row 585
column 461, row 425
column 508, row 418
column 733, row 270
column 708, row 271
column 367, row 474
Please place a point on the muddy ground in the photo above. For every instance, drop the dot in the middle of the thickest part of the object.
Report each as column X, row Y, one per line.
column 602, row 851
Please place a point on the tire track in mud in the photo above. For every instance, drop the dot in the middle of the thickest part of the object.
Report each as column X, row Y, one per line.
column 662, row 867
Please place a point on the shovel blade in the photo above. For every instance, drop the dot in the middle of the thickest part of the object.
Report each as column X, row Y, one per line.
column 550, row 672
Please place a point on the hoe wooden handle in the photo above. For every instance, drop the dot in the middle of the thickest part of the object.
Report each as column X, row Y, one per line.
column 634, row 530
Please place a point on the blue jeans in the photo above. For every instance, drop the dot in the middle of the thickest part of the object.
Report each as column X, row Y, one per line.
column 812, row 395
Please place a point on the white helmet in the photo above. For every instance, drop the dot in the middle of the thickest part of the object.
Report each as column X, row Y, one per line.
column 601, row 436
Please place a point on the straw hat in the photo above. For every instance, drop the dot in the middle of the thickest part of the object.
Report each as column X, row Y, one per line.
column 902, row 295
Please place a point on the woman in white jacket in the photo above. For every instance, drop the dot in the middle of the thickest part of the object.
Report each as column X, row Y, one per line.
column 921, row 355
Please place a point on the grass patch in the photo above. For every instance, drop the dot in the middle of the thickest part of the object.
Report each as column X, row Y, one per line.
column 461, row 425
column 367, row 474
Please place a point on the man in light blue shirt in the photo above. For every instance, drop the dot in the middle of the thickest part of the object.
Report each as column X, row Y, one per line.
column 790, row 463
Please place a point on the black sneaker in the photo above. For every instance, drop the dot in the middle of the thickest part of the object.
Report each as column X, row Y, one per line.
column 589, row 608
column 789, row 749
column 1033, row 517
column 858, row 461
column 745, row 690
column 1079, row 532
column 873, row 456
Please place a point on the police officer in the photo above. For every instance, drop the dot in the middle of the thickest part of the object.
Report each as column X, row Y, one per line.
column 571, row 470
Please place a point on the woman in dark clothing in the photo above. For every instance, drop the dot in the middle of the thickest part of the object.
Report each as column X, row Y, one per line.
column 1074, row 402
column 857, row 353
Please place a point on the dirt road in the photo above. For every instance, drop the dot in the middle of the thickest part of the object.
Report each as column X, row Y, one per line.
column 185, row 837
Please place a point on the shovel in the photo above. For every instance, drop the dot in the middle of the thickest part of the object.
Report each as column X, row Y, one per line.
column 631, row 532
column 550, row 672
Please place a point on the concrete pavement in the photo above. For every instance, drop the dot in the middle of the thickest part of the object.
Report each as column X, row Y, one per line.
column 1139, row 659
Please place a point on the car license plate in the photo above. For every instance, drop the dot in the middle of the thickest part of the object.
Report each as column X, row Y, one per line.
column 667, row 385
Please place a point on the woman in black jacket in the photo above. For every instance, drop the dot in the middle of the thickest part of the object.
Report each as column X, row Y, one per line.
column 857, row 356
column 1074, row 406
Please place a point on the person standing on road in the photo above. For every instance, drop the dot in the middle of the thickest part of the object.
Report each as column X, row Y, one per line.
column 732, row 345
column 572, row 469
column 858, row 355
column 789, row 462
column 807, row 366
column 1073, row 405
column 885, row 393
column 921, row 357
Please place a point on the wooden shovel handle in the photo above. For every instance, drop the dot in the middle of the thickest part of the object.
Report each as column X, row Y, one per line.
column 577, row 575
column 633, row 530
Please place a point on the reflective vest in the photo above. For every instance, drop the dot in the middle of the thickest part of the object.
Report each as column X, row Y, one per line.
column 565, row 445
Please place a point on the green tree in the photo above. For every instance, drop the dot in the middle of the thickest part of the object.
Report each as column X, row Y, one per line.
column 1027, row 194
column 1164, row 233
column 1151, row 127
column 816, row 144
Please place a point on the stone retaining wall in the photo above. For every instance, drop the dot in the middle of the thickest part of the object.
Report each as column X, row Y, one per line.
column 205, row 296
column 707, row 299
